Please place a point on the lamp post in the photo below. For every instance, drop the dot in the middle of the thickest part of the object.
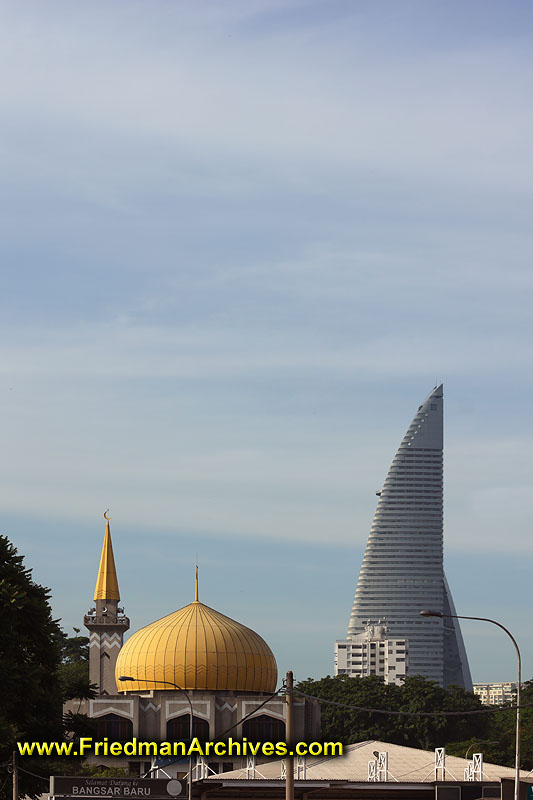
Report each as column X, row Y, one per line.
column 175, row 685
column 470, row 747
column 289, row 736
column 428, row 613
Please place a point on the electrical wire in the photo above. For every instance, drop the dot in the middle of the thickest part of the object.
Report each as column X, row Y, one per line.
column 281, row 688
column 33, row 774
column 255, row 710
column 350, row 707
column 412, row 713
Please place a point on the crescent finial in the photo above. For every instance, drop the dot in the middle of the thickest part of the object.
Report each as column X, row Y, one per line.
column 105, row 514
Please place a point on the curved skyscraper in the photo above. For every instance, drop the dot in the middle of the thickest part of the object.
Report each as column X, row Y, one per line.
column 402, row 570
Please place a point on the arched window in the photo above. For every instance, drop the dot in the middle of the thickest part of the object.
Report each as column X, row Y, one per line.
column 178, row 728
column 115, row 728
column 264, row 729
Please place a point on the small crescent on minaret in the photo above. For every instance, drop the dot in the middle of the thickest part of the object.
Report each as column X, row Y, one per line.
column 105, row 514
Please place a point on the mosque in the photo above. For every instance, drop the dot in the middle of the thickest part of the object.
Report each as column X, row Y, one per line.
column 194, row 660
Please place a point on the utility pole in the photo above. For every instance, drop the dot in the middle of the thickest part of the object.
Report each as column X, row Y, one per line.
column 15, row 777
column 289, row 738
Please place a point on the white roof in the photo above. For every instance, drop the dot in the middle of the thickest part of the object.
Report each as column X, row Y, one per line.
column 406, row 764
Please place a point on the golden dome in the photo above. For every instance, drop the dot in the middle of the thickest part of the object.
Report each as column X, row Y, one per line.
column 196, row 647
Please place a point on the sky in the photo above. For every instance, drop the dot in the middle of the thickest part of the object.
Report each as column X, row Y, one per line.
column 239, row 244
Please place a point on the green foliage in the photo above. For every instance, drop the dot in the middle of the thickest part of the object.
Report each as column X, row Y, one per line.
column 347, row 726
column 30, row 654
column 77, row 725
column 74, row 667
column 491, row 749
column 100, row 771
column 75, row 648
column 492, row 734
column 41, row 668
column 416, row 694
column 502, row 729
column 456, row 728
column 526, row 736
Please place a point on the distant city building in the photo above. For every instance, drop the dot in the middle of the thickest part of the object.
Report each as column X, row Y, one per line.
column 402, row 571
column 372, row 653
column 495, row 694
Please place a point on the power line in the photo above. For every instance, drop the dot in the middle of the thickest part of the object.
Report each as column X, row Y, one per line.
column 240, row 721
column 412, row 713
column 33, row 774
column 251, row 712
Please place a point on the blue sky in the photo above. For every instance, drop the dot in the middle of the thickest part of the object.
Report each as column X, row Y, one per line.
column 240, row 242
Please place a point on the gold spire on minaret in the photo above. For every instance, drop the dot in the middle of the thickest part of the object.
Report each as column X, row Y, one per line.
column 107, row 582
column 196, row 586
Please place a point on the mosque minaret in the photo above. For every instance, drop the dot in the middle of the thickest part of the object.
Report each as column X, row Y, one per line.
column 105, row 621
column 193, row 658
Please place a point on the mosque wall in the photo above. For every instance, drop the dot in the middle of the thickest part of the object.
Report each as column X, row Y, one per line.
column 149, row 714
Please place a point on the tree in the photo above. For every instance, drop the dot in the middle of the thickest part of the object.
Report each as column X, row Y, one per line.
column 30, row 654
column 416, row 694
column 460, row 727
column 75, row 685
column 496, row 740
column 74, row 668
column 345, row 725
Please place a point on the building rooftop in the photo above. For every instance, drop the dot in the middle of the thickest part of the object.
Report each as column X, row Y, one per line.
column 405, row 765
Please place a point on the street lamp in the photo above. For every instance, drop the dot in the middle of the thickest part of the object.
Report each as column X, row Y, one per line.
column 175, row 685
column 476, row 744
column 428, row 613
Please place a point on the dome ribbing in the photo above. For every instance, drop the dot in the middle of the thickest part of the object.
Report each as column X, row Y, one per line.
column 198, row 648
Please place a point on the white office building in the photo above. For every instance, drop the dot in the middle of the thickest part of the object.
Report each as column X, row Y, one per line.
column 495, row 694
column 372, row 653
column 402, row 571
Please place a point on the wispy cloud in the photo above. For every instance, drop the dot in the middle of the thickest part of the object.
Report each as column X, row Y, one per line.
column 239, row 242
column 304, row 94
column 144, row 352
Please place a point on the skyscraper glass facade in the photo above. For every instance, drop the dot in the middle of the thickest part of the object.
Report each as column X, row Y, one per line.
column 402, row 570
